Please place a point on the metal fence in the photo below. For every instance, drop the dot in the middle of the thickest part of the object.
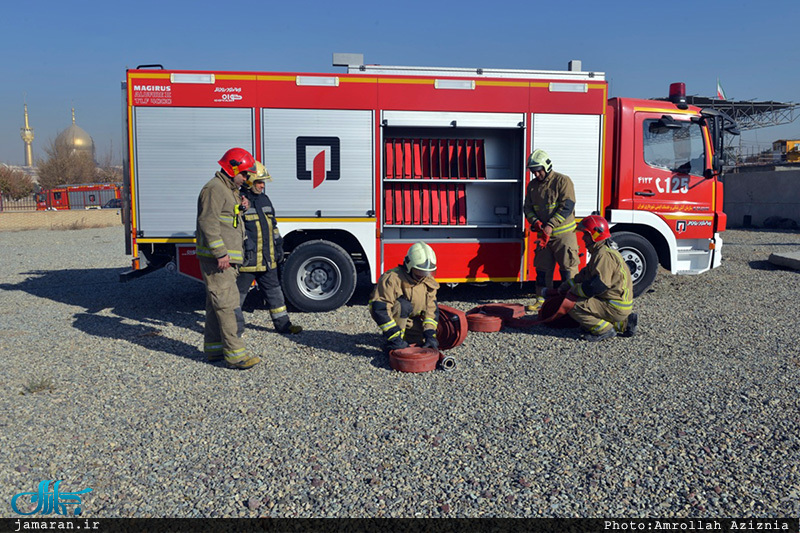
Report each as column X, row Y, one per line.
column 23, row 204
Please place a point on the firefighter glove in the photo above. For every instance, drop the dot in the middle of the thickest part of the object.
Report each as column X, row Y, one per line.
column 396, row 343
column 537, row 225
column 430, row 339
column 545, row 239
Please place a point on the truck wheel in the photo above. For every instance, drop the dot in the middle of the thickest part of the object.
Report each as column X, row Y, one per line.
column 641, row 258
column 318, row 276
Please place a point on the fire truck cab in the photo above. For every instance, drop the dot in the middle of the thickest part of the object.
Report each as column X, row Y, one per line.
column 367, row 162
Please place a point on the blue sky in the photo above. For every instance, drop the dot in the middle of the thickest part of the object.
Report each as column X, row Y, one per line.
column 56, row 55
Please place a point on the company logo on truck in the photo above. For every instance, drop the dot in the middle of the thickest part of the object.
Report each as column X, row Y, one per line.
column 152, row 94
column 227, row 94
column 318, row 159
column 682, row 225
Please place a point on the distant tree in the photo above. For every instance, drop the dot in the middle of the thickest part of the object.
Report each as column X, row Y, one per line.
column 64, row 166
column 107, row 171
column 15, row 183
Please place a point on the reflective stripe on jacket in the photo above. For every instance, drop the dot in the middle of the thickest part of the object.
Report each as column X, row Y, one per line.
column 263, row 242
column 552, row 202
column 219, row 228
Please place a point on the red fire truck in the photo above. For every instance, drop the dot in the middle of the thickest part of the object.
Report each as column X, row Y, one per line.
column 369, row 161
column 83, row 196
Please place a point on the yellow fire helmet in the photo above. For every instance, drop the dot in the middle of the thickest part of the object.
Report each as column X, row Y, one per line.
column 261, row 174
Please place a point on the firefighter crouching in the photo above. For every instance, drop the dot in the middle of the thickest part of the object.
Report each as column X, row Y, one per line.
column 220, row 238
column 263, row 251
column 549, row 207
column 403, row 303
column 603, row 288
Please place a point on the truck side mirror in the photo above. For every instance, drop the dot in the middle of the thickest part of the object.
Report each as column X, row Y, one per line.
column 716, row 168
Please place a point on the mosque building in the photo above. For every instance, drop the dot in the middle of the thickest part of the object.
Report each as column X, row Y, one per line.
column 73, row 139
column 76, row 140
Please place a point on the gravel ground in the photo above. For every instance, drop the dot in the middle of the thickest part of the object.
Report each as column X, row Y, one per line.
column 696, row 416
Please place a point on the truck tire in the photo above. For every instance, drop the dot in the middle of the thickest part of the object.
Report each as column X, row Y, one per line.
column 641, row 258
column 318, row 276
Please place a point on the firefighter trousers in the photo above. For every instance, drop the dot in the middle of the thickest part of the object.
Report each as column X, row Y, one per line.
column 224, row 320
column 411, row 326
column 561, row 250
column 596, row 316
column 268, row 284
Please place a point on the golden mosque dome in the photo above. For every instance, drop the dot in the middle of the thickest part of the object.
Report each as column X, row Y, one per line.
column 76, row 139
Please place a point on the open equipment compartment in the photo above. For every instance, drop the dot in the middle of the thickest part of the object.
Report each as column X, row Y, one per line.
column 442, row 183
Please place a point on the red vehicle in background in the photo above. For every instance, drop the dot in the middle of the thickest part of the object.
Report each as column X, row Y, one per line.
column 82, row 196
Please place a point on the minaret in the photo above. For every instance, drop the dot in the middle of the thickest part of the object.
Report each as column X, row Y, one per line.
column 26, row 133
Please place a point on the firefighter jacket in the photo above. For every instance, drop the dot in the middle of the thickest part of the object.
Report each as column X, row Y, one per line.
column 263, row 244
column 552, row 202
column 220, row 230
column 606, row 277
column 416, row 298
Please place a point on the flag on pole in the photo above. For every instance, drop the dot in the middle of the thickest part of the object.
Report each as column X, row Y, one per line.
column 720, row 92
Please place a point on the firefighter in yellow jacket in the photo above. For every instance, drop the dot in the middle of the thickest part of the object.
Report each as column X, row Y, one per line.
column 550, row 209
column 603, row 288
column 403, row 303
column 220, row 237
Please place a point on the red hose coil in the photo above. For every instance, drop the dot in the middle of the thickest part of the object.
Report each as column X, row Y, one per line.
column 414, row 359
column 453, row 327
column 492, row 317
column 485, row 323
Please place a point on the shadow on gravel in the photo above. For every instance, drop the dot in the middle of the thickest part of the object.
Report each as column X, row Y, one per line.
column 544, row 331
column 141, row 307
column 360, row 345
column 362, row 291
column 147, row 337
column 765, row 265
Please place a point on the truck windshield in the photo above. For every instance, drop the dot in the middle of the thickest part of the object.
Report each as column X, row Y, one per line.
column 678, row 149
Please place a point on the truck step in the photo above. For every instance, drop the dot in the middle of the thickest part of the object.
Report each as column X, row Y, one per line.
column 692, row 252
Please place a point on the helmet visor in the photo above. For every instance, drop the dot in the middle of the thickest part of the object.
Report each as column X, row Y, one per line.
column 419, row 273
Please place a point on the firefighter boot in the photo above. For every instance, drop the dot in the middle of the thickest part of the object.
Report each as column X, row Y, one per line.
column 610, row 333
column 536, row 305
column 289, row 329
column 283, row 325
column 541, row 287
column 630, row 328
column 243, row 364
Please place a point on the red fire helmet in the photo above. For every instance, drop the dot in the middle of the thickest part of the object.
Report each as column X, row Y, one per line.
column 596, row 227
column 237, row 160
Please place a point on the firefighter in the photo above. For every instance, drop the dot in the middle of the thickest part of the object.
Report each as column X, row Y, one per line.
column 220, row 238
column 550, row 209
column 263, row 251
column 403, row 303
column 603, row 288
